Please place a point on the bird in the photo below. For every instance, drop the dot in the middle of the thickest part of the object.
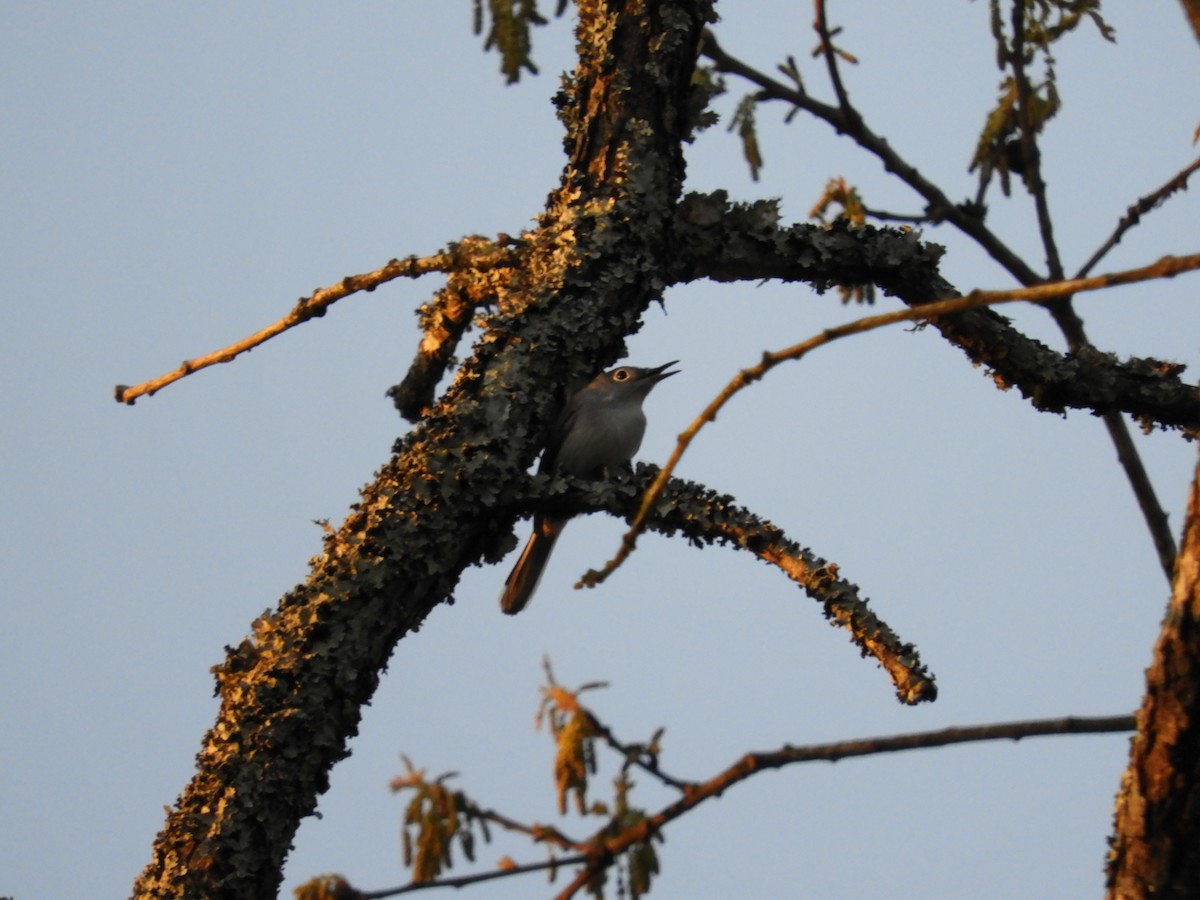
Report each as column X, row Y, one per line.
column 601, row 427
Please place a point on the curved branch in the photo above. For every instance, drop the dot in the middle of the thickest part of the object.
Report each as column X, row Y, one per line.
column 705, row 517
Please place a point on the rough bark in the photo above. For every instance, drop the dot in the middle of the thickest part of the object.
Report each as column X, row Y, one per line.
column 607, row 244
column 732, row 242
column 1155, row 851
column 292, row 693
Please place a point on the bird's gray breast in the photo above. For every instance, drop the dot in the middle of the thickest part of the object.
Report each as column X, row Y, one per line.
column 602, row 435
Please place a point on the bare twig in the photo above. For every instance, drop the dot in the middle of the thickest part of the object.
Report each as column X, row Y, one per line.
column 882, row 215
column 545, row 834
column 831, row 64
column 927, row 740
column 607, row 847
column 1063, row 310
column 634, row 755
column 1143, row 492
column 752, row 763
column 1031, row 156
column 1152, row 511
column 582, row 877
column 316, row 304
column 477, row 878
column 1133, row 215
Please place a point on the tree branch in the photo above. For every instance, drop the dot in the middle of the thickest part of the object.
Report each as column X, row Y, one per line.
column 1167, row 267
column 634, row 755
column 846, row 120
column 752, row 763
column 472, row 253
column 1031, row 157
column 605, row 847
column 476, row 878
column 292, row 694
column 706, row 517
column 1133, row 215
column 726, row 242
column 831, row 64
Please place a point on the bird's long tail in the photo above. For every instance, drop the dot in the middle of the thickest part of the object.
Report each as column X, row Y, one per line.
column 524, row 578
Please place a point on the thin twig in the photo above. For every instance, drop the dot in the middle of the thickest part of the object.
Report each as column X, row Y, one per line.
column 545, row 834
column 582, row 877
column 1143, row 492
column 316, row 304
column 882, row 215
column 1152, row 511
column 928, row 740
column 1031, row 157
column 835, row 74
column 1063, row 310
column 1133, row 215
column 465, row 880
column 752, row 763
column 633, row 755
column 604, row 851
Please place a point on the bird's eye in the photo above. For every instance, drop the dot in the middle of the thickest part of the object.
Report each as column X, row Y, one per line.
column 622, row 375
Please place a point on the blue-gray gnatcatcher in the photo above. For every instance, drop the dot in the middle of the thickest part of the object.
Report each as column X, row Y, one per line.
column 600, row 428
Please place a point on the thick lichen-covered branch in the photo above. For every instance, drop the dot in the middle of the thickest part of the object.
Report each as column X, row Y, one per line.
column 704, row 517
column 292, row 692
column 727, row 242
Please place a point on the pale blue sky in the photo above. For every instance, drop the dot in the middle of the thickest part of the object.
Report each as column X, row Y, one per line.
column 175, row 175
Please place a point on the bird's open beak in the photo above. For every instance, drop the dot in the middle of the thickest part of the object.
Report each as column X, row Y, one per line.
column 658, row 373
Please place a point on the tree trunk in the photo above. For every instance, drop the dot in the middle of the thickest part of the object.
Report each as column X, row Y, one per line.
column 1156, row 849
